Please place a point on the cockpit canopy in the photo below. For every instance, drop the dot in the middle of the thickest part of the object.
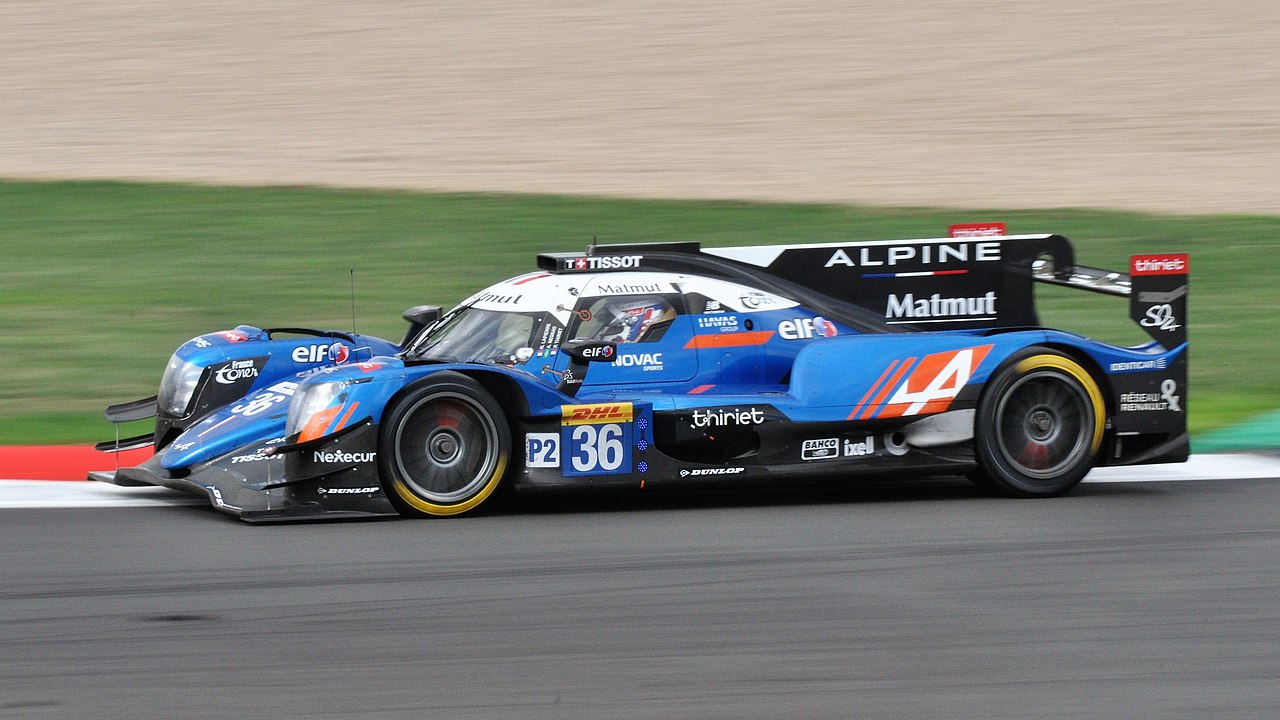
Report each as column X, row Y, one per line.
column 532, row 314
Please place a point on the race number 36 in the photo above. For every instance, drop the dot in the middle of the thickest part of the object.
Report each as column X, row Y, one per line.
column 597, row 449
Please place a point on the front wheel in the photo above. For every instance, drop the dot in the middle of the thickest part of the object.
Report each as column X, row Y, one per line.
column 1039, row 425
column 443, row 447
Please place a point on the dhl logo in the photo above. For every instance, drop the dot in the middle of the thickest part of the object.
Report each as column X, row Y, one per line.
column 596, row 414
column 922, row 388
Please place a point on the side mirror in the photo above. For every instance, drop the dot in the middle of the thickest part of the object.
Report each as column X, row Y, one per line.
column 581, row 352
column 419, row 317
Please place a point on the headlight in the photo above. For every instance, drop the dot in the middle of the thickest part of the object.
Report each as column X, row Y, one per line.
column 177, row 385
column 313, row 408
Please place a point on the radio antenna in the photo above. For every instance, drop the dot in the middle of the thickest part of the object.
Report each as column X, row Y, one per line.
column 353, row 300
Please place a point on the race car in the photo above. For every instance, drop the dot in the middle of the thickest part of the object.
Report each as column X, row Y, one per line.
column 661, row 364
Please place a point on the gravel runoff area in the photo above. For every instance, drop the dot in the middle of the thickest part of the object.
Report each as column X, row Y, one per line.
column 1168, row 106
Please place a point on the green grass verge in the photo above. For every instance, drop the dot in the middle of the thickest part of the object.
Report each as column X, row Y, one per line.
column 102, row 280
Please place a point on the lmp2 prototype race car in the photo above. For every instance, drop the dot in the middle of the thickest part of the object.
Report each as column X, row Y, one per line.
column 655, row 365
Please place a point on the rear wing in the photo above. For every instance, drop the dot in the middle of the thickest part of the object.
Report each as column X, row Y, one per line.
column 926, row 284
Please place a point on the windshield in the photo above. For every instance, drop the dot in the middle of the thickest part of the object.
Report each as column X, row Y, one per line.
column 472, row 335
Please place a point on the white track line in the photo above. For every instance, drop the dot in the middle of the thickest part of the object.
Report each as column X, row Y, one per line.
column 54, row 494
column 58, row 494
column 1225, row 466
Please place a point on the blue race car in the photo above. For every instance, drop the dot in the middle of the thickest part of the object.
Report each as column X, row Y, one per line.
column 660, row 364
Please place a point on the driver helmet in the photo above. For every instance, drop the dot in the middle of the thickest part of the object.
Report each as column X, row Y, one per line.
column 629, row 320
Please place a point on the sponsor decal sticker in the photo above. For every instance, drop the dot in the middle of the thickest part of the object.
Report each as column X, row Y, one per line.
column 833, row 448
column 1139, row 366
column 757, row 300
column 724, row 417
column 338, row 456
column 853, row 448
column 1163, row 264
column 603, row 262
column 649, row 362
column 601, row 352
column 499, row 299
column 634, row 289
column 256, row 457
column 721, row 323
column 806, row 328
column 935, row 308
column 314, row 353
column 1166, row 399
column 992, row 229
column 824, row 449
column 235, row 371
column 1160, row 317
column 346, row 491
column 596, row 414
column 712, row 471
column 922, row 254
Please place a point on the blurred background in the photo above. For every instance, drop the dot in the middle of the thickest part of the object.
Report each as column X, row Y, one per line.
column 272, row 153
column 1168, row 106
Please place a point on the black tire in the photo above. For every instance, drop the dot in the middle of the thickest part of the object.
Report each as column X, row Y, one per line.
column 443, row 447
column 1039, row 425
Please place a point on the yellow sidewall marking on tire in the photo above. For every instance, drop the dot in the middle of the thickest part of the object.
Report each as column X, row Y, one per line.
column 1070, row 367
column 431, row 508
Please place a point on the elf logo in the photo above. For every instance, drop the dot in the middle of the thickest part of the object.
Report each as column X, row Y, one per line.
column 600, row 352
column 806, row 328
column 337, row 352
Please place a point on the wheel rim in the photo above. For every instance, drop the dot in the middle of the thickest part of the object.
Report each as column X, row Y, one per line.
column 1045, row 424
column 446, row 448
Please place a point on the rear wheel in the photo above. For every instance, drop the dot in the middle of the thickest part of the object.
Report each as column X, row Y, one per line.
column 1039, row 425
column 444, row 446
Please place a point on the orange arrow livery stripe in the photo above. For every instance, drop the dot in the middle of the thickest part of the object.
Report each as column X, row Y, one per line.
column 723, row 340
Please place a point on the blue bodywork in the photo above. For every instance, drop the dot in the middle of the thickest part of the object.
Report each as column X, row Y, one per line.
column 732, row 388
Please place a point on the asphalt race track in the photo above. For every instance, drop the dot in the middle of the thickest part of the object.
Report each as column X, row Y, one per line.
column 917, row 600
